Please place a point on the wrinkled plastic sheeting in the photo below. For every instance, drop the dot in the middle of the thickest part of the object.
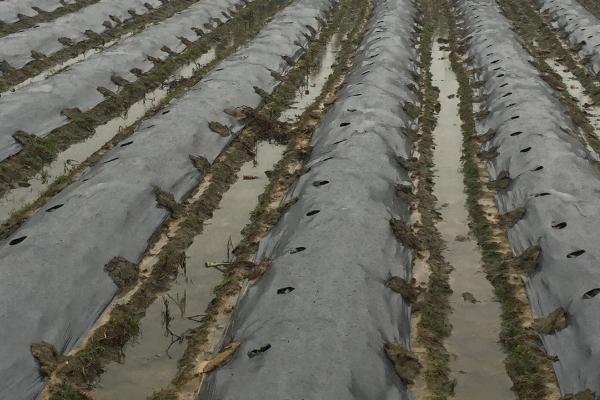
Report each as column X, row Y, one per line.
column 16, row 48
column 581, row 27
column 36, row 108
column 335, row 247
column 10, row 9
column 53, row 285
column 533, row 131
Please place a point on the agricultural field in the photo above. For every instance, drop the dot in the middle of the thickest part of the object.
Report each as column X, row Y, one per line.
column 299, row 199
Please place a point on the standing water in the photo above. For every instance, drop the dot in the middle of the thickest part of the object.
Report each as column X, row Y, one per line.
column 150, row 363
column 20, row 197
column 477, row 362
column 315, row 80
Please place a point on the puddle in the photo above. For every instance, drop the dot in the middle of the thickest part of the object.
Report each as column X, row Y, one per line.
column 315, row 81
column 59, row 67
column 79, row 152
column 577, row 92
column 478, row 360
column 151, row 362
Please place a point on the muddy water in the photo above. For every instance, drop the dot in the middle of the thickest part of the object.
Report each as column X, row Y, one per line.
column 70, row 158
column 477, row 362
column 151, row 362
column 315, row 80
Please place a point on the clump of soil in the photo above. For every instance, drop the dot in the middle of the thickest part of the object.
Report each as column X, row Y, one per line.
column 489, row 154
column 411, row 134
column 411, row 110
column 123, row 272
column 219, row 128
column 554, row 322
column 405, row 193
column 71, row 113
column 47, row 357
column 409, row 291
column 200, row 163
column 461, row 238
column 408, row 164
column 468, row 296
column 527, row 262
column 501, row 182
column 262, row 93
column 405, row 234
column 167, row 201
column 510, row 218
column 406, row 364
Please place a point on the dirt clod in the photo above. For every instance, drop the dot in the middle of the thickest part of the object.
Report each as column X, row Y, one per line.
column 527, row 261
column 123, row 272
column 410, row 133
column 405, row 234
column 461, row 238
column 167, row 201
column 406, row 364
column 554, row 322
column 468, row 297
column 219, row 128
column 510, row 218
column 408, row 164
column 501, row 182
column 200, row 163
column 47, row 357
column 411, row 110
column 409, row 291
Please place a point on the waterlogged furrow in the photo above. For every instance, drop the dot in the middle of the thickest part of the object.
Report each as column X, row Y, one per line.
column 150, row 362
column 478, row 362
column 547, row 190
column 10, row 9
column 582, row 29
column 72, row 28
column 37, row 109
column 77, row 155
column 112, row 211
column 316, row 324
